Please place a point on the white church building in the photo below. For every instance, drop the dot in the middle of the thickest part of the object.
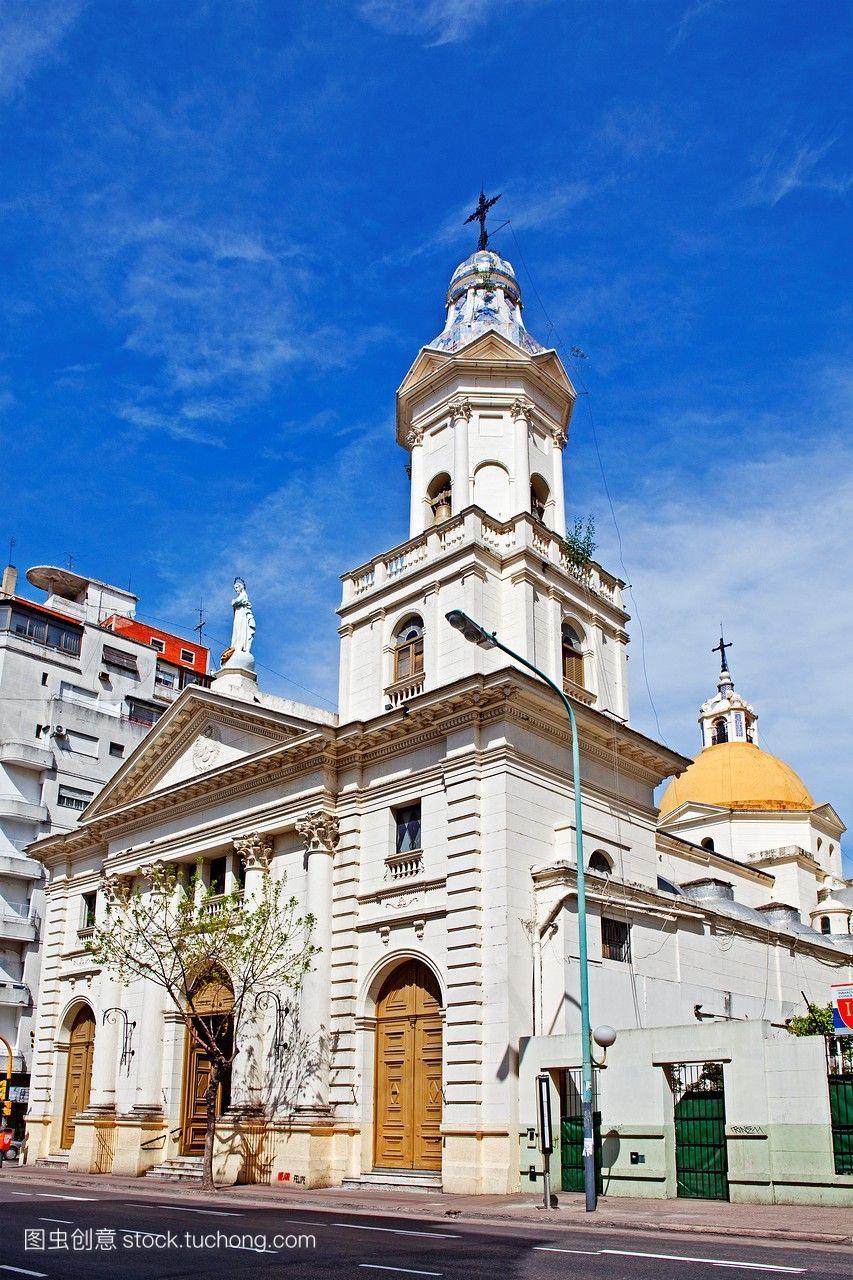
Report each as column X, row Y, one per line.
column 428, row 828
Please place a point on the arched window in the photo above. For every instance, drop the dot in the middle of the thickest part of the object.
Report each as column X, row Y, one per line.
column 538, row 498
column 409, row 649
column 440, row 497
column 572, row 656
column 721, row 731
column 824, row 924
column 600, row 863
column 708, row 844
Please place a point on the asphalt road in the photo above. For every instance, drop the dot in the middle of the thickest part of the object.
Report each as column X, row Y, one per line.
column 81, row 1234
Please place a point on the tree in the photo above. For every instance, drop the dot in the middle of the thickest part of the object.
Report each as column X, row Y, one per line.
column 817, row 1022
column 164, row 926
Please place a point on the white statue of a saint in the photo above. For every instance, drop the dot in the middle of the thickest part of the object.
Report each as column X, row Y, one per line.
column 243, row 629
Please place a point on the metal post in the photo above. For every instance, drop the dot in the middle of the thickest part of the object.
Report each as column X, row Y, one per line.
column 586, row 1038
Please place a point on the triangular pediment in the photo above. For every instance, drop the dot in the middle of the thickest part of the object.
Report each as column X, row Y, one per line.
column 828, row 815
column 427, row 362
column 200, row 732
column 689, row 812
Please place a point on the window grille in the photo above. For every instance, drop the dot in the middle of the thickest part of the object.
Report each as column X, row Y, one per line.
column 615, row 940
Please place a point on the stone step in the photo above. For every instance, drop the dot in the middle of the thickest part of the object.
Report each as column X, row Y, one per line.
column 57, row 1161
column 178, row 1169
column 395, row 1180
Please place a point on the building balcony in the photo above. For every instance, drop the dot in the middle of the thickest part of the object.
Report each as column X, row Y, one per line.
column 23, row 810
column 578, row 692
column 401, row 690
column 26, row 756
column 18, row 867
column 18, row 926
column 473, row 527
column 15, row 995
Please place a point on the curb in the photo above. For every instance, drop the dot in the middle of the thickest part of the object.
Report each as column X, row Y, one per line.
column 442, row 1217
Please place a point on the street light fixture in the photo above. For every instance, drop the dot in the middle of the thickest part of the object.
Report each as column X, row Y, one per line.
column 478, row 635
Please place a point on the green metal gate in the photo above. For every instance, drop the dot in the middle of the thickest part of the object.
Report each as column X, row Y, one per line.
column 701, row 1159
column 571, row 1133
column 839, row 1070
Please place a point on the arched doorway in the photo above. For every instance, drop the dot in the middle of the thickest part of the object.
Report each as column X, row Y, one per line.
column 78, row 1077
column 214, row 1001
column 408, row 1070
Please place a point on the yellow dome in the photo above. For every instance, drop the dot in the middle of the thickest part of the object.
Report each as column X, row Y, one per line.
column 737, row 775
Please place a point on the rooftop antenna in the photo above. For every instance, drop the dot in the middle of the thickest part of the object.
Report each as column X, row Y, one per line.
column 70, row 560
column 202, row 622
column 479, row 215
column 11, row 549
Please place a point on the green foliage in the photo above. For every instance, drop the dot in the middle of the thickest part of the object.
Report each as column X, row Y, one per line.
column 579, row 545
column 817, row 1022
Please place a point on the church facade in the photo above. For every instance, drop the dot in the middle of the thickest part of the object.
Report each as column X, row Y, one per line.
column 428, row 830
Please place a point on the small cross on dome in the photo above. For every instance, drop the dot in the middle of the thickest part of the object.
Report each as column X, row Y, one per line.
column 479, row 215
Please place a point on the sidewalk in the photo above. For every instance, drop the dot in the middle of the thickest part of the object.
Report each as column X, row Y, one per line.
column 697, row 1217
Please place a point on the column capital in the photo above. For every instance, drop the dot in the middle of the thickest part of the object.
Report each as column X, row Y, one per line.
column 254, row 849
column 460, row 408
column 522, row 407
column 558, row 435
column 414, row 437
column 320, row 831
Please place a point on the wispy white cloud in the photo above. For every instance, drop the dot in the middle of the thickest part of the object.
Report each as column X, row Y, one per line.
column 531, row 207
column 214, row 316
column 438, row 21
column 689, row 17
column 31, row 35
column 764, row 545
column 790, row 164
column 290, row 545
column 635, row 131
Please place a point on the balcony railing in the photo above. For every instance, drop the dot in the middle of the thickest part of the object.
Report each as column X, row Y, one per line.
column 402, row 690
column 400, row 866
column 504, row 538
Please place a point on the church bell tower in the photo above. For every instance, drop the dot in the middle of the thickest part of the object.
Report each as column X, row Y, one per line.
column 484, row 415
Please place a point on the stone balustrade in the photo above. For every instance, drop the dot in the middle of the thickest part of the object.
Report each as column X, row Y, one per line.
column 503, row 538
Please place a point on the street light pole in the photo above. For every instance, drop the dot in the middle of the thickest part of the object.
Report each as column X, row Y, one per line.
column 478, row 634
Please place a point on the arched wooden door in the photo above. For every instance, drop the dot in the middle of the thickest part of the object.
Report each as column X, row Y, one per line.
column 78, row 1079
column 214, row 1002
column 408, row 1070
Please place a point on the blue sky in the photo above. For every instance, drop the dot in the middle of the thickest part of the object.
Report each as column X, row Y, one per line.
column 227, row 228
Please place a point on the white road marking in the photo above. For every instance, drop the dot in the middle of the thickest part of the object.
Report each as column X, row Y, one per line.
column 49, row 1195
column 66, row 1222
column 183, row 1208
column 549, row 1248
column 54, row 1195
column 712, row 1262
column 398, row 1231
column 400, row 1271
column 22, row 1271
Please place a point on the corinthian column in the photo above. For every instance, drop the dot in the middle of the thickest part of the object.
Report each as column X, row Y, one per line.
column 521, row 411
column 320, row 832
column 415, row 441
column 255, row 852
column 460, row 412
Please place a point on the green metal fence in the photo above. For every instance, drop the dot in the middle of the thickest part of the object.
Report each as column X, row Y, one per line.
column 839, row 1070
column 571, row 1132
column 701, row 1158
